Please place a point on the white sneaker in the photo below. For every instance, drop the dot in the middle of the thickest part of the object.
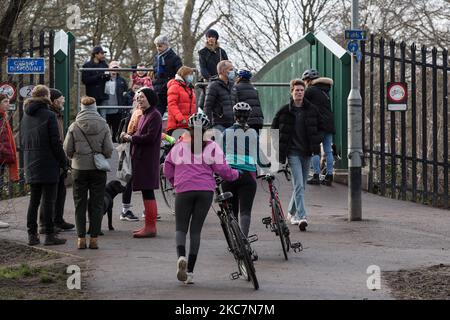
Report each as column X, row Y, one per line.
column 4, row 225
column 181, row 269
column 190, row 278
column 295, row 221
column 289, row 217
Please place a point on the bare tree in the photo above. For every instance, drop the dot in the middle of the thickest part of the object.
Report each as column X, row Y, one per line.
column 10, row 15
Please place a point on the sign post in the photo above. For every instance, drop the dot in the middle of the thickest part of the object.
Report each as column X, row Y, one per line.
column 355, row 145
column 26, row 65
column 61, row 47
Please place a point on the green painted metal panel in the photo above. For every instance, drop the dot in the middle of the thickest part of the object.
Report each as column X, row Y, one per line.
column 312, row 51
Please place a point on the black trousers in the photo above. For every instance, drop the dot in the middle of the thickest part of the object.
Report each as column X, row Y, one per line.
column 46, row 192
column 244, row 191
column 113, row 121
column 58, row 215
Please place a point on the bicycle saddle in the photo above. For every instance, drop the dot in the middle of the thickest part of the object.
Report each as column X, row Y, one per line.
column 224, row 196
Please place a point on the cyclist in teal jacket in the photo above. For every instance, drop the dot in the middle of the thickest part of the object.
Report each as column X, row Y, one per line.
column 241, row 146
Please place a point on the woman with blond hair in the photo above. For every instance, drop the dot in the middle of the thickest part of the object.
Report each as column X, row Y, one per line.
column 181, row 99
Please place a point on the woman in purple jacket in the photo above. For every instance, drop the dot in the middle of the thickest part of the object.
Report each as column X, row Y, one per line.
column 190, row 168
column 146, row 144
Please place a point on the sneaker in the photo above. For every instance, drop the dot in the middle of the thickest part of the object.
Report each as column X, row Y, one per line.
column 303, row 224
column 3, row 225
column 289, row 217
column 181, row 269
column 315, row 180
column 33, row 240
column 190, row 278
column 64, row 226
column 295, row 221
column 128, row 216
column 158, row 216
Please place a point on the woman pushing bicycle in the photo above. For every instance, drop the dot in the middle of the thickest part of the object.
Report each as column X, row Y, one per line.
column 190, row 168
column 241, row 146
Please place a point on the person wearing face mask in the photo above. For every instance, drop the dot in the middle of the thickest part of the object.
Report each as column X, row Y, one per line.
column 181, row 99
column 219, row 99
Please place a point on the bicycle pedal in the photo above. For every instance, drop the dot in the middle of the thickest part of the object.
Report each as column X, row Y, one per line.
column 234, row 276
column 267, row 221
column 297, row 247
column 252, row 238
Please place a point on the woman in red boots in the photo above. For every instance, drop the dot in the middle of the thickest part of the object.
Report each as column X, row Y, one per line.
column 145, row 158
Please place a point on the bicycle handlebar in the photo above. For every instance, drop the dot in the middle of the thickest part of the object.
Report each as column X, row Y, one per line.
column 286, row 172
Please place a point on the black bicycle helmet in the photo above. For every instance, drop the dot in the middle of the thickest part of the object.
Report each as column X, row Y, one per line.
column 310, row 74
column 199, row 120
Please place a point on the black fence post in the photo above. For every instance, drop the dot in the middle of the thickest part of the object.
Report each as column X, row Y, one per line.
column 41, row 54
column 31, row 53
column 403, row 123
column 20, row 102
column 435, row 127
column 424, row 127
column 445, row 126
column 382, row 121
column 414, row 122
column 51, row 62
column 372, row 115
column 393, row 125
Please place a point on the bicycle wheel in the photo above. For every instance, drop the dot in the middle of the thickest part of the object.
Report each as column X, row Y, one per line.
column 167, row 190
column 279, row 226
column 245, row 262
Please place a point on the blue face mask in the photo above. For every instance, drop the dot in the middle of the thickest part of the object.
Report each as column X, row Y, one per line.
column 231, row 75
column 189, row 78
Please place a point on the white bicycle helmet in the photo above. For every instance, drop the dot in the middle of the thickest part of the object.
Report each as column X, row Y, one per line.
column 199, row 120
column 242, row 107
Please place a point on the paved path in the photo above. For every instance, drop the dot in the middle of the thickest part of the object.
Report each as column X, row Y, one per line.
column 394, row 235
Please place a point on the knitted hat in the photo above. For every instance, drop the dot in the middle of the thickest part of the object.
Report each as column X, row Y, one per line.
column 212, row 33
column 150, row 95
column 55, row 94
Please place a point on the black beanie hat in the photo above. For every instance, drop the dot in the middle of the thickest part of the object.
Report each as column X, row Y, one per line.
column 150, row 95
column 55, row 94
column 212, row 33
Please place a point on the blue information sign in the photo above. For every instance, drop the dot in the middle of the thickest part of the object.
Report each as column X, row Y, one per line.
column 26, row 66
column 355, row 35
column 353, row 46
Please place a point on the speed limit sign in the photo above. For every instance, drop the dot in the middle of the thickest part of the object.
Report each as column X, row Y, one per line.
column 9, row 90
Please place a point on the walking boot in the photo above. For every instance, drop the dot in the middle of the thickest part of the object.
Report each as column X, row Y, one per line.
column 315, row 180
column 33, row 240
column 151, row 212
column 328, row 181
column 93, row 244
column 53, row 240
column 82, row 243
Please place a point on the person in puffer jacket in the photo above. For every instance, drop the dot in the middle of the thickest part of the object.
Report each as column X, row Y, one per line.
column 181, row 99
column 245, row 91
column 86, row 177
column 191, row 172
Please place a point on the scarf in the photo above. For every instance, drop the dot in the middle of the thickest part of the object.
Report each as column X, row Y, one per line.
column 161, row 63
column 5, row 129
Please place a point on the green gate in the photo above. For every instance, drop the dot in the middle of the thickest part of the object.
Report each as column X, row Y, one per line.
column 312, row 51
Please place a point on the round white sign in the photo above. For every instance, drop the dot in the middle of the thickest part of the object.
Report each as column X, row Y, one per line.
column 397, row 93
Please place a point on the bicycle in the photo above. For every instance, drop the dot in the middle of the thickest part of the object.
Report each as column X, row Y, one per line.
column 167, row 190
column 238, row 243
column 277, row 222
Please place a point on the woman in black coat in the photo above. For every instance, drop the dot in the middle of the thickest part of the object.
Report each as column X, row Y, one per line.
column 44, row 158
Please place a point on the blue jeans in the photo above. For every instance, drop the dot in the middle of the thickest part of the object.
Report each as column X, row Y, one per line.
column 300, row 168
column 327, row 142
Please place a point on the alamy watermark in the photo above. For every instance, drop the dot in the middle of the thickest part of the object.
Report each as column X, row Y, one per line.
column 74, row 280
column 73, row 22
column 374, row 280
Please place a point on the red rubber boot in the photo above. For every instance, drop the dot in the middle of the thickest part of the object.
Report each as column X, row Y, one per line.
column 151, row 212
